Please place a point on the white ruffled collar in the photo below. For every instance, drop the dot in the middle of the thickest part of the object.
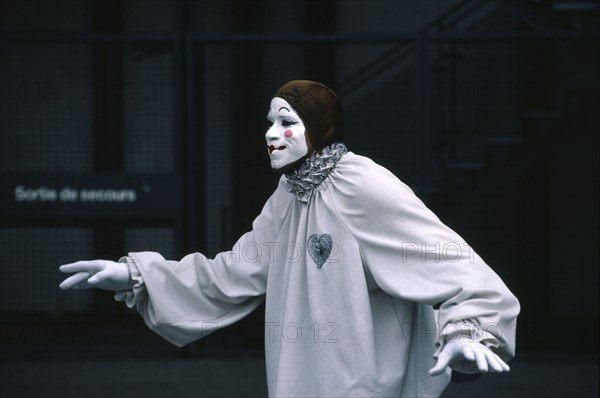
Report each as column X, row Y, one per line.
column 307, row 176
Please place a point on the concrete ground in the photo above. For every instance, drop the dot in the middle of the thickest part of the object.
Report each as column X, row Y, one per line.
column 95, row 372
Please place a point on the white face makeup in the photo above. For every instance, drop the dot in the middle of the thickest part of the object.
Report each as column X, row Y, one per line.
column 286, row 140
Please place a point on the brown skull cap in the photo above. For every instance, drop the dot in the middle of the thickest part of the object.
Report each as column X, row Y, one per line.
column 320, row 110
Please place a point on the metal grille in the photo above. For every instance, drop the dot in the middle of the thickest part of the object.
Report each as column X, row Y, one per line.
column 161, row 240
column 45, row 108
column 58, row 15
column 29, row 275
column 148, row 16
column 148, row 102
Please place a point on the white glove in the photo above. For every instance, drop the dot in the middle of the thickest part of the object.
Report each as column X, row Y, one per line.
column 468, row 357
column 103, row 274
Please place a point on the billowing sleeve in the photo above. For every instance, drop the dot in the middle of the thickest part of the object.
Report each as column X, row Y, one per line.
column 413, row 256
column 185, row 300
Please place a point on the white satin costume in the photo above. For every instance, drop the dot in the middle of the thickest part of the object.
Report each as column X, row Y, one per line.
column 351, row 265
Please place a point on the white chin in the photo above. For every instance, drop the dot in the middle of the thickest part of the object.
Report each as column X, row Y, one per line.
column 275, row 163
column 281, row 160
column 278, row 164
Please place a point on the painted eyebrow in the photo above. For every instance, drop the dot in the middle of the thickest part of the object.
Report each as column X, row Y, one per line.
column 283, row 107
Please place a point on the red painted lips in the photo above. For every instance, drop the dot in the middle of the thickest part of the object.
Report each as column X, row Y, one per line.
column 272, row 148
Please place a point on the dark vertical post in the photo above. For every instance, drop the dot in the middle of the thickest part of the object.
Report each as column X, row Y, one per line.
column 185, row 235
column 319, row 58
column 452, row 93
column 195, row 142
column 108, row 121
column 107, row 65
column 191, row 67
column 535, row 216
column 423, row 114
column 251, row 177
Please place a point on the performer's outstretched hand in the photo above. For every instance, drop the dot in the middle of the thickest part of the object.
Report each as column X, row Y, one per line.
column 468, row 357
column 103, row 274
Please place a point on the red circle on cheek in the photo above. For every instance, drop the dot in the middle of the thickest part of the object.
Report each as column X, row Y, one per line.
column 288, row 133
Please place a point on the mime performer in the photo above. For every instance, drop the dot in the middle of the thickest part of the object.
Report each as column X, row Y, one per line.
column 367, row 292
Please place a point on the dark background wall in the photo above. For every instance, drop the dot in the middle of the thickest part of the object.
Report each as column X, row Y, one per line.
column 153, row 114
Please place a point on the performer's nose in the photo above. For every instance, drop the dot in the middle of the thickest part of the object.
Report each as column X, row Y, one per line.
column 272, row 134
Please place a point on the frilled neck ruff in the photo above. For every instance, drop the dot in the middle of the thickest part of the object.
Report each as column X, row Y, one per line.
column 307, row 176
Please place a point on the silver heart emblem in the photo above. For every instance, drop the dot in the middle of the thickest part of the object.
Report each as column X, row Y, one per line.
column 319, row 248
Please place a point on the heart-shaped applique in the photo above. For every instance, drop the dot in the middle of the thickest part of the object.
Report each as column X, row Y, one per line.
column 319, row 248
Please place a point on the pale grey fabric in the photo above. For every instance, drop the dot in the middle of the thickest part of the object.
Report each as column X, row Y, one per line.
column 360, row 324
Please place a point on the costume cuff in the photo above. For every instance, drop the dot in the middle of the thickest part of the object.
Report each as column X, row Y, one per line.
column 137, row 292
column 465, row 329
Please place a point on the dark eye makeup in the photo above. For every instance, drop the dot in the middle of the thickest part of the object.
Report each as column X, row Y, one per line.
column 284, row 122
